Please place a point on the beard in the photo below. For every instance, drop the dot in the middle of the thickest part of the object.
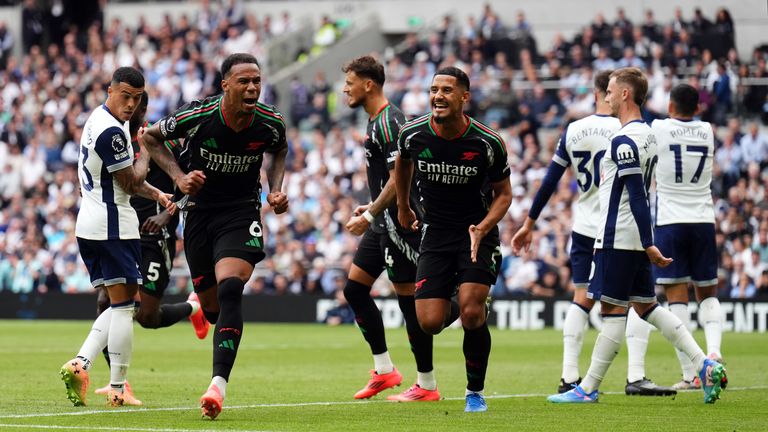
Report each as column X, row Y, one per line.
column 439, row 119
column 354, row 103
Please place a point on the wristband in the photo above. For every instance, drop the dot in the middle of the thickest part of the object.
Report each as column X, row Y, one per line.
column 368, row 216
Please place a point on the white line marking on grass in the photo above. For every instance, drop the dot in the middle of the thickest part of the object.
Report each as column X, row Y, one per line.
column 106, row 428
column 303, row 404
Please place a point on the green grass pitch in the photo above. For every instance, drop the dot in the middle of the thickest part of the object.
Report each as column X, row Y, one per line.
column 302, row 378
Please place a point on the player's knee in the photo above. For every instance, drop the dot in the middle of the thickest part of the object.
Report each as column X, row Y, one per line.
column 472, row 315
column 432, row 326
column 431, row 323
column 354, row 290
column 230, row 290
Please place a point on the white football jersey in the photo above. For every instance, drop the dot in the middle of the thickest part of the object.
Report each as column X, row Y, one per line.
column 684, row 174
column 632, row 152
column 105, row 210
column 582, row 146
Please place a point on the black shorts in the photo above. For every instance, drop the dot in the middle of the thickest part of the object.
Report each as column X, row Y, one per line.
column 157, row 256
column 213, row 234
column 445, row 262
column 395, row 251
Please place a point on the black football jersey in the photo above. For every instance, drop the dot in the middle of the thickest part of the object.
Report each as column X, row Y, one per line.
column 454, row 176
column 231, row 161
column 380, row 152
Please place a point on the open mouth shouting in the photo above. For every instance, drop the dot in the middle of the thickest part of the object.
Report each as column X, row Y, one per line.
column 249, row 103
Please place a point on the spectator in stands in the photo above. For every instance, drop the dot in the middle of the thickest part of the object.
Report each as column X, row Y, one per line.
column 650, row 27
column 754, row 146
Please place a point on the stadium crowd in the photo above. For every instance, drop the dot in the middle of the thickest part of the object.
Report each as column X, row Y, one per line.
column 525, row 89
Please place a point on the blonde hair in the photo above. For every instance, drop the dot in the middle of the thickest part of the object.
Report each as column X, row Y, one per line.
column 635, row 79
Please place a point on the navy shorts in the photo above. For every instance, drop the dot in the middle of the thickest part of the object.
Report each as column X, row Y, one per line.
column 693, row 248
column 621, row 276
column 394, row 251
column 112, row 262
column 445, row 262
column 216, row 233
column 156, row 263
column 582, row 249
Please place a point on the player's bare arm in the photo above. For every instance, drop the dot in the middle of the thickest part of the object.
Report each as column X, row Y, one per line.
column 275, row 174
column 152, row 139
column 131, row 178
column 502, row 198
column 403, row 173
column 361, row 221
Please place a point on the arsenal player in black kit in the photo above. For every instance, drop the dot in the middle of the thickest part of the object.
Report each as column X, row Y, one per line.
column 385, row 244
column 460, row 167
column 226, row 137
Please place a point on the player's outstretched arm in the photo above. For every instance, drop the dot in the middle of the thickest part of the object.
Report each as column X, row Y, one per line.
column 403, row 173
column 502, row 198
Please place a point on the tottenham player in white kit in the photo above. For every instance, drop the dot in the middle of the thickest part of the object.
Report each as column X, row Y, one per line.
column 107, row 231
column 625, row 250
column 685, row 220
column 582, row 147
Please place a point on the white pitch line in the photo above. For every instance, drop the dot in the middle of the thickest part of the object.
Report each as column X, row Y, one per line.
column 302, row 404
column 106, row 428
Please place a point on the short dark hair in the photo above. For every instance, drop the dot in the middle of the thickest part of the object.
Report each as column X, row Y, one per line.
column 634, row 78
column 236, row 59
column 686, row 99
column 457, row 73
column 128, row 75
column 366, row 67
column 601, row 80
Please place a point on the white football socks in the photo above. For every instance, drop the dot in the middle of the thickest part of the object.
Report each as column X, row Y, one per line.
column 574, row 326
column 120, row 343
column 710, row 317
column 382, row 363
column 675, row 332
column 680, row 310
column 426, row 380
column 96, row 339
column 638, row 331
column 606, row 348
column 221, row 383
column 195, row 307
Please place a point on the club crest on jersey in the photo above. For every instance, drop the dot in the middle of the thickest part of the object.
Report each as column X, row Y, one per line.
column 625, row 154
column 468, row 156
